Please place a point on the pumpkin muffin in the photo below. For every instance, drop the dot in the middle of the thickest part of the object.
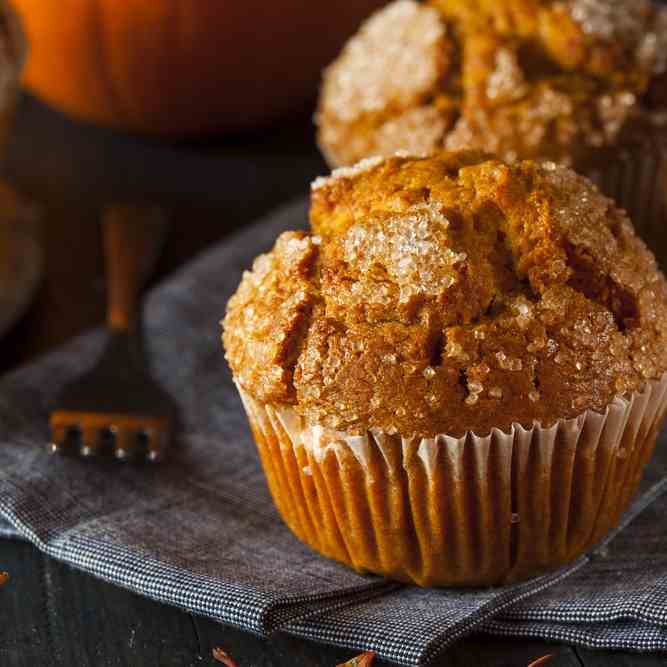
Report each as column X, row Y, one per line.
column 457, row 377
column 580, row 82
column 520, row 78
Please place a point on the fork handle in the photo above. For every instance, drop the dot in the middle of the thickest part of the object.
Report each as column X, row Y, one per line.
column 132, row 239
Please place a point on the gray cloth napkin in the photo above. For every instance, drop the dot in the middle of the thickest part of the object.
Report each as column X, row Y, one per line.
column 201, row 532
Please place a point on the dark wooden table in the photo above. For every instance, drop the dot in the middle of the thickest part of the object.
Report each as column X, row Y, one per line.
column 51, row 614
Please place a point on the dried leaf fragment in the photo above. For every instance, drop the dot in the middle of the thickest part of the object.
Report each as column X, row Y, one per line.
column 221, row 656
column 4, row 578
column 363, row 660
column 541, row 661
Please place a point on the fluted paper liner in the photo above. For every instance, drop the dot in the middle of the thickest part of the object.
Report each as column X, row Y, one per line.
column 471, row 510
column 636, row 178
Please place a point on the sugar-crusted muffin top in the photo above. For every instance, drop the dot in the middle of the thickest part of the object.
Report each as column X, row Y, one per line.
column 448, row 294
column 526, row 78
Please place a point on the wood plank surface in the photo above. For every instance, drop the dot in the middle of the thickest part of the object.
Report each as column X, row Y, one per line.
column 52, row 615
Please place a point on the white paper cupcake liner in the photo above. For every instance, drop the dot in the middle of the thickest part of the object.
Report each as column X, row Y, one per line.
column 461, row 511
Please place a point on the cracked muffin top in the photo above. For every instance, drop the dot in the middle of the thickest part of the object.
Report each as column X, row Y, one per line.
column 520, row 78
column 448, row 294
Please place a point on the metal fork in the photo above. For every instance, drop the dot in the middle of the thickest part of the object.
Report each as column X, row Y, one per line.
column 117, row 407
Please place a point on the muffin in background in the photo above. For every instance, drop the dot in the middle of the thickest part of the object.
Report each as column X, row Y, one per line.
column 520, row 78
column 458, row 377
column 579, row 82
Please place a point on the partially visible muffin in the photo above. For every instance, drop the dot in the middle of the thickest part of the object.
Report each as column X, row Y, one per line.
column 521, row 78
column 451, row 294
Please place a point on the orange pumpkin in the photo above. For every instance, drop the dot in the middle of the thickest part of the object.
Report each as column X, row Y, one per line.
column 182, row 66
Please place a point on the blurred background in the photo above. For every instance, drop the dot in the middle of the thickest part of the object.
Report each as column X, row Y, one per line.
column 203, row 107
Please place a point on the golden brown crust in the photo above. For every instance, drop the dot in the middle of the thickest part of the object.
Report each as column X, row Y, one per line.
column 526, row 78
column 448, row 294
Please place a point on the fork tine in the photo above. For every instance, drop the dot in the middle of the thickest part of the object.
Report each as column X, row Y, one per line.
column 154, row 455
column 155, row 444
column 57, row 438
column 90, row 441
column 125, row 443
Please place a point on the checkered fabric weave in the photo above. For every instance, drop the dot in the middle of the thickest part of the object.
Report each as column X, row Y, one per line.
column 201, row 532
